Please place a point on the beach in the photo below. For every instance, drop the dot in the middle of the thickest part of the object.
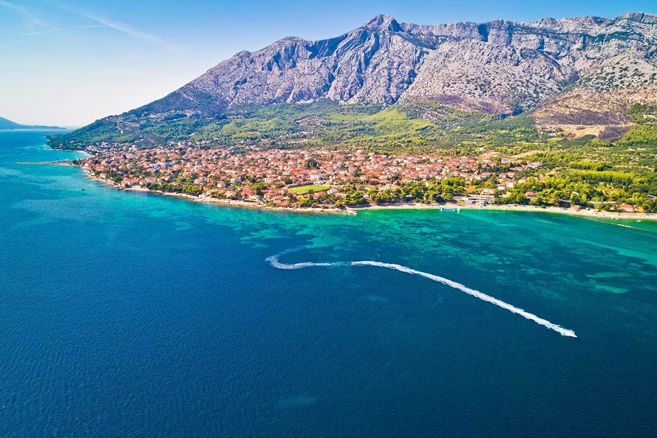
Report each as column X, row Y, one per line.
column 586, row 213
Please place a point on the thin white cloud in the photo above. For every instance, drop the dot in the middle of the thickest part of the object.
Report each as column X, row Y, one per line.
column 121, row 27
column 60, row 29
column 30, row 18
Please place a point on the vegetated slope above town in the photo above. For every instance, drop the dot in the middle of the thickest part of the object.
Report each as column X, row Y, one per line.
column 419, row 79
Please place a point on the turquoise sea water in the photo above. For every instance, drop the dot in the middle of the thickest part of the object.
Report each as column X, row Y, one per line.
column 133, row 314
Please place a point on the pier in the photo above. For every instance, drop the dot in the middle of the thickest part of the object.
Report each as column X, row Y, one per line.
column 48, row 163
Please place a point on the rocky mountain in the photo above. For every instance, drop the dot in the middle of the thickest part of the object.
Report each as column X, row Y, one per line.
column 568, row 72
column 497, row 67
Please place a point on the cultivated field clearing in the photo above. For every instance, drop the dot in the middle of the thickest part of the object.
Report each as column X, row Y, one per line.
column 309, row 188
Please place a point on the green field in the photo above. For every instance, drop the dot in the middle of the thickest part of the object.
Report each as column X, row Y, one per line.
column 307, row 189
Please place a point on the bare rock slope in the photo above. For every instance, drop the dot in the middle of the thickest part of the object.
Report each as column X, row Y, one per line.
column 585, row 70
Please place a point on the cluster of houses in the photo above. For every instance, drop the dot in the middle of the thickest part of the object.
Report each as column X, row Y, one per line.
column 256, row 175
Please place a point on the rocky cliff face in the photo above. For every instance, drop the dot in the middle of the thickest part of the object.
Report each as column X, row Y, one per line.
column 497, row 67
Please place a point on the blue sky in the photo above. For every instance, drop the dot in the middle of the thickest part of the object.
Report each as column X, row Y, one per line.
column 71, row 62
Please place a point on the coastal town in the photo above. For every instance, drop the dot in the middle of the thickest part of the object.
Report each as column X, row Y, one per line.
column 304, row 179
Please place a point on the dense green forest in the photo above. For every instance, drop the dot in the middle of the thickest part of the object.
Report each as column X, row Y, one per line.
column 594, row 173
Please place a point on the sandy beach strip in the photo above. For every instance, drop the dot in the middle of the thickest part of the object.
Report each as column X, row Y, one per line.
column 587, row 213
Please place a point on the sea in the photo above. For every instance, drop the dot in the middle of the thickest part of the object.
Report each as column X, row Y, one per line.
column 133, row 314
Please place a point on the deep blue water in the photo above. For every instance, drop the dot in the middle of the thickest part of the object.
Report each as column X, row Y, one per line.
column 132, row 314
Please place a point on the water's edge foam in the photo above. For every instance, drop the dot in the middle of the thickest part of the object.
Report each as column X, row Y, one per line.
column 273, row 260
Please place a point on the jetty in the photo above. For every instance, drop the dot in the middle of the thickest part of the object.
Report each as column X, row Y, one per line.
column 48, row 163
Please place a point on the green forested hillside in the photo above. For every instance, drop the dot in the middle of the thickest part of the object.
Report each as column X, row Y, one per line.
column 417, row 126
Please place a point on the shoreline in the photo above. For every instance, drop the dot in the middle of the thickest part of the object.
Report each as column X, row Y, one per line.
column 220, row 202
column 582, row 213
column 585, row 213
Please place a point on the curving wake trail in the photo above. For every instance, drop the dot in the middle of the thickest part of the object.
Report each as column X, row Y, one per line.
column 273, row 260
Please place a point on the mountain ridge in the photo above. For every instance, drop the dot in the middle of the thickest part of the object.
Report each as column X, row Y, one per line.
column 353, row 77
column 498, row 67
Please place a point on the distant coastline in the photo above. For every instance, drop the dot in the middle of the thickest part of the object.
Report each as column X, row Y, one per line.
column 33, row 129
column 8, row 125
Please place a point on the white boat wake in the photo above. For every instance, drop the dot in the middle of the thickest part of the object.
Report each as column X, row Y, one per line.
column 273, row 260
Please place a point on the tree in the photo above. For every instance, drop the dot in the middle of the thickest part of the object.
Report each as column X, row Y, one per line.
column 191, row 189
column 354, row 198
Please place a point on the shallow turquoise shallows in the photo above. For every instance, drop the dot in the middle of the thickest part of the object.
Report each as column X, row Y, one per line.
column 127, row 314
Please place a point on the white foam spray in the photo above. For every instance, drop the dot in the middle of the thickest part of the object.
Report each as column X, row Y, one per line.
column 273, row 260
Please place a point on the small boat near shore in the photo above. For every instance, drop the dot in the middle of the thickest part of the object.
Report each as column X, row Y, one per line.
column 457, row 209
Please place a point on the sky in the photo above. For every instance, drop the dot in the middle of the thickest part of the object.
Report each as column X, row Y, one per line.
column 71, row 62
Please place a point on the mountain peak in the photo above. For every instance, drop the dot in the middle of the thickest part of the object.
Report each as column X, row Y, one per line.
column 640, row 17
column 384, row 22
